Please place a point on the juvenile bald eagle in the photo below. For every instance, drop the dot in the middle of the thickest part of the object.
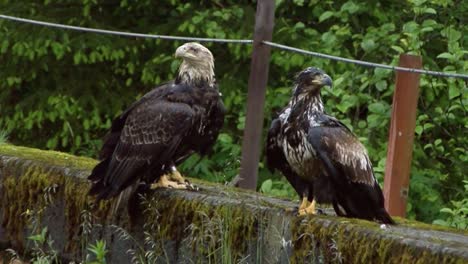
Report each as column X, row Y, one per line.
column 321, row 158
column 162, row 129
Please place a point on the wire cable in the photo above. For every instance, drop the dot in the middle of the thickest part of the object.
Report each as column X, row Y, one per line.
column 364, row 63
column 239, row 41
column 121, row 33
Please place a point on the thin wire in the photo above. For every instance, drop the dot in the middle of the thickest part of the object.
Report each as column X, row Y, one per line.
column 365, row 63
column 241, row 41
column 125, row 34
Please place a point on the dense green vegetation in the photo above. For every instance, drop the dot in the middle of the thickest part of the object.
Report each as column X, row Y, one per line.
column 60, row 89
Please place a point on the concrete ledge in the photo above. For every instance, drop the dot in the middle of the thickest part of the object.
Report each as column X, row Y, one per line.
column 219, row 224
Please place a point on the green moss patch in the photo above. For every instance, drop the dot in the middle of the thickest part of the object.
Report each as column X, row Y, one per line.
column 34, row 180
column 209, row 231
column 25, row 196
column 420, row 225
column 218, row 223
column 50, row 157
column 327, row 239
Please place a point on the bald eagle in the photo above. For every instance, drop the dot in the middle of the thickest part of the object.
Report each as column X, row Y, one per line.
column 162, row 129
column 321, row 158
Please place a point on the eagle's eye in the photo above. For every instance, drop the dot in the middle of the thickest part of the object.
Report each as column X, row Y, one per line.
column 195, row 50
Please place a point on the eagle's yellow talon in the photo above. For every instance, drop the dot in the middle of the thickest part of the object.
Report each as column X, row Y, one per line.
column 177, row 177
column 309, row 210
column 164, row 182
column 304, row 203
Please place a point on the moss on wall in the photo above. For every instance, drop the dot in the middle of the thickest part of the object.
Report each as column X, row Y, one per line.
column 36, row 185
column 216, row 223
column 205, row 229
column 34, row 180
column 24, row 196
column 50, row 157
column 326, row 240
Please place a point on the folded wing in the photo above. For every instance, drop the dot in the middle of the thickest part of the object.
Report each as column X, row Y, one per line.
column 150, row 138
column 349, row 169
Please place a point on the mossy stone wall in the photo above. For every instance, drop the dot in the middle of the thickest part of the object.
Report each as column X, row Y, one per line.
column 217, row 224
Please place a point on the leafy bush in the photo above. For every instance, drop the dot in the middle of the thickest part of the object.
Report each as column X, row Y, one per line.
column 98, row 250
column 457, row 215
column 3, row 137
column 60, row 89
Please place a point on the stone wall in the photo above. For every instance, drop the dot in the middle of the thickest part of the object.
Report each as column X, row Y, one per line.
column 216, row 224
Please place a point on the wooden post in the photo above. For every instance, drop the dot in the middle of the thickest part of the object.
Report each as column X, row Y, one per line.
column 400, row 142
column 264, row 21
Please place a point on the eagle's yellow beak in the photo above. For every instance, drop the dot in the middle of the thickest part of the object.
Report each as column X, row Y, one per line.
column 180, row 51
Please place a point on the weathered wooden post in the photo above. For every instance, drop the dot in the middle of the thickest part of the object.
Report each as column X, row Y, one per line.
column 264, row 21
column 400, row 142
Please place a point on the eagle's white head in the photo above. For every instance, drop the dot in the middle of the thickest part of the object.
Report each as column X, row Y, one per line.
column 197, row 64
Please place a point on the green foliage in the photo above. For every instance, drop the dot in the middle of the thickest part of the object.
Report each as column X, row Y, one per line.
column 280, row 188
column 99, row 251
column 3, row 137
column 457, row 215
column 42, row 249
column 60, row 89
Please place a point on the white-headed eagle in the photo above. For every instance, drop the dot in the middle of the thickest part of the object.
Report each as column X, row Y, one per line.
column 321, row 158
column 162, row 129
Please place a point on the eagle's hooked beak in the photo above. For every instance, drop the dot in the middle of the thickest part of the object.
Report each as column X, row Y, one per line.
column 186, row 52
column 326, row 80
column 180, row 51
column 322, row 80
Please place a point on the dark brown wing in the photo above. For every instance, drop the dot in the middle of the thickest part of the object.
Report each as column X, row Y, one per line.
column 347, row 164
column 216, row 118
column 149, row 139
column 345, row 151
column 112, row 138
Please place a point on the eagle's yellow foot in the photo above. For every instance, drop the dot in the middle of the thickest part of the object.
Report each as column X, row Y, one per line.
column 177, row 177
column 164, row 182
column 309, row 210
column 303, row 204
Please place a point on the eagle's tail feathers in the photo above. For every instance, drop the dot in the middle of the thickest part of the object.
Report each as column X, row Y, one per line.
column 383, row 216
column 99, row 171
column 100, row 191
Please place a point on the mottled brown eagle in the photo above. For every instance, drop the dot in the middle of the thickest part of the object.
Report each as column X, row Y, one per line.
column 162, row 129
column 321, row 158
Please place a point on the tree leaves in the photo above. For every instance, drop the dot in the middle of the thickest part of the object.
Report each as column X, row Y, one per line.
column 325, row 15
column 61, row 89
